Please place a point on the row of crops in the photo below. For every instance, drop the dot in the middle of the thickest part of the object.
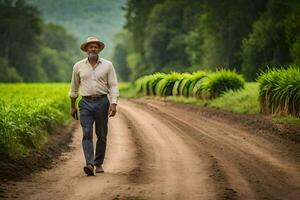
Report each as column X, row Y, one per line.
column 27, row 112
column 279, row 89
column 200, row 84
column 279, row 92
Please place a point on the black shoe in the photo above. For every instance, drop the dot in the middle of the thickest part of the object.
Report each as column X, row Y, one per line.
column 89, row 170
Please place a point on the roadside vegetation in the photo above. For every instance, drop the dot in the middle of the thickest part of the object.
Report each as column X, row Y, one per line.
column 277, row 92
column 27, row 113
column 182, row 53
column 189, row 35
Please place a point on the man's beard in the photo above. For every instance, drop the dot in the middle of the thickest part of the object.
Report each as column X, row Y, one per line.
column 93, row 56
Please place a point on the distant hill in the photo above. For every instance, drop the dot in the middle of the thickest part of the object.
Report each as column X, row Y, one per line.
column 102, row 18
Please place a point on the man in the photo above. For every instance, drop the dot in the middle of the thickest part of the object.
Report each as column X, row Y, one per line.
column 96, row 78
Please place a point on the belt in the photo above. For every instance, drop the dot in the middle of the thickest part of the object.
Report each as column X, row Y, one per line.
column 95, row 97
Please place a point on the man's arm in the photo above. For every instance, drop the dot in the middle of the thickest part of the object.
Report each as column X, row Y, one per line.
column 73, row 110
column 73, row 102
column 74, row 92
column 113, row 90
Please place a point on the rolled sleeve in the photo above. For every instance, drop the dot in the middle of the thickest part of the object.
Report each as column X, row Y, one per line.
column 113, row 85
column 74, row 83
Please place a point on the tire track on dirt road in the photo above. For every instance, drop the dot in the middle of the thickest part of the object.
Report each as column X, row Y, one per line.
column 256, row 168
column 215, row 182
column 66, row 180
column 176, row 171
column 160, row 150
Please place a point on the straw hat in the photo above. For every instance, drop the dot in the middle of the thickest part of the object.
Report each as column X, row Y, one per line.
column 90, row 40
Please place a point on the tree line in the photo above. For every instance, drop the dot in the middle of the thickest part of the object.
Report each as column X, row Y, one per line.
column 187, row 35
column 33, row 50
column 101, row 18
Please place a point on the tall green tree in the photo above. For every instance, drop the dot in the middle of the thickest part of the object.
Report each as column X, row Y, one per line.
column 222, row 27
column 33, row 50
column 8, row 73
column 120, row 52
column 184, row 35
column 20, row 28
column 137, row 13
column 268, row 45
column 58, row 51
column 159, row 29
column 167, row 27
column 292, row 30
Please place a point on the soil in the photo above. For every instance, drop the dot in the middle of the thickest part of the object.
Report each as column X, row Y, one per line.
column 58, row 142
column 165, row 150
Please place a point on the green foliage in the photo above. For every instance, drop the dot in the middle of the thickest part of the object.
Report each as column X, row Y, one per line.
column 217, row 83
column 154, row 80
column 292, row 30
column 124, row 85
column 57, row 52
column 239, row 101
column 165, row 86
column 184, row 86
column 274, row 40
column 119, row 57
column 56, row 65
column 280, row 91
column 35, row 51
column 159, row 41
column 245, row 35
column 147, row 84
column 187, row 90
column 194, row 50
column 204, row 34
column 27, row 112
column 124, row 88
column 137, row 12
column 222, row 26
column 20, row 27
column 56, row 37
column 165, row 39
column 176, row 91
column 8, row 74
column 128, row 90
column 137, row 66
column 142, row 85
column 286, row 120
column 100, row 18
column 265, row 46
column 200, row 84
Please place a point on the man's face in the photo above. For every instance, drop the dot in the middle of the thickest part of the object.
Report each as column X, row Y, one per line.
column 92, row 48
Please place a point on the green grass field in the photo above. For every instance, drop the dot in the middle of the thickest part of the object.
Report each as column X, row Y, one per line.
column 27, row 112
column 240, row 101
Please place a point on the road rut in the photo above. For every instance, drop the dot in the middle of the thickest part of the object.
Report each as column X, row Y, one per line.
column 160, row 150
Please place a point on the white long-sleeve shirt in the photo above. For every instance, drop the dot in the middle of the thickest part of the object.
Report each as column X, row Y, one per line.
column 97, row 80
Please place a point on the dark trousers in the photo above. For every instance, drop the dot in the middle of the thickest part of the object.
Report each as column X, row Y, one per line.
column 94, row 111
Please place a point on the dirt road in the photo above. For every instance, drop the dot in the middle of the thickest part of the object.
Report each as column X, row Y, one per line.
column 160, row 150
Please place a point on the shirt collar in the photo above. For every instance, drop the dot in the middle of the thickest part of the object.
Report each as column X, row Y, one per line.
column 99, row 60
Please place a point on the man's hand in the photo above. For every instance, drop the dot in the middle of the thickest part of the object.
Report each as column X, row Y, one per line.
column 112, row 110
column 74, row 113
